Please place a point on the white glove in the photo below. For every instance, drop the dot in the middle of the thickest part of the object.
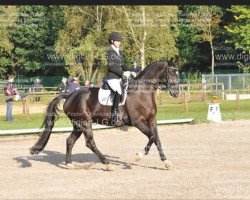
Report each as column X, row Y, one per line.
column 134, row 74
column 17, row 97
column 126, row 73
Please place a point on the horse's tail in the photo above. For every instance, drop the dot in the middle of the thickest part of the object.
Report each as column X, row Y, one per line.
column 48, row 124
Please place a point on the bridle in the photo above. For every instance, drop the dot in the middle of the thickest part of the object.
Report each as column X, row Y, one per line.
column 166, row 84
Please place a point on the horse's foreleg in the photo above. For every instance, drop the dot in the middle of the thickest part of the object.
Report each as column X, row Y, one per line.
column 144, row 128
column 75, row 134
column 90, row 143
column 153, row 125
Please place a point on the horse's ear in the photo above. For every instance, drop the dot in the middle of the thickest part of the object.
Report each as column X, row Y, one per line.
column 171, row 60
column 176, row 61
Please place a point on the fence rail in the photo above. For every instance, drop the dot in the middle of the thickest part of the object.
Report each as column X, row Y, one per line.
column 188, row 92
column 231, row 81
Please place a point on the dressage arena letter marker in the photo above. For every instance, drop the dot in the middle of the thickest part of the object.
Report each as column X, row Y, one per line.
column 214, row 113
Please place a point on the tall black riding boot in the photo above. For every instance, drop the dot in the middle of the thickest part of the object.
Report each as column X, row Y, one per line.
column 114, row 110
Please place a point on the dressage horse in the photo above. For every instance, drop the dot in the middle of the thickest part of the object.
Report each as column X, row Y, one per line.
column 83, row 108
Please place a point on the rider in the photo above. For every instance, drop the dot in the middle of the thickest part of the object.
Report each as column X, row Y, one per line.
column 117, row 68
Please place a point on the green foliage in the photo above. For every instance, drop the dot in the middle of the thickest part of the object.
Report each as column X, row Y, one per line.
column 245, row 67
column 80, row 41
column 191, row 77
column 205, row 20
column 150, row 31
column 34, row 35
column 187, row 39
column 239, row 29
column 239, row 33
column 62, row 40
column 213, row 97
column 8, row 15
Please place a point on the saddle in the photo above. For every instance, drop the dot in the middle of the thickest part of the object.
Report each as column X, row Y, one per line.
column 106, row 94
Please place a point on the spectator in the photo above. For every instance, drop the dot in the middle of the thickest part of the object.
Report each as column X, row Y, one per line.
column 63, row 86
column 9, row 95
column 87, row 84
column 135, row 68
column 37, row 88
column 73, row 84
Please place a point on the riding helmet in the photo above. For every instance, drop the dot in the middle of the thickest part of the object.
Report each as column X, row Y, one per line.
column 115, row 36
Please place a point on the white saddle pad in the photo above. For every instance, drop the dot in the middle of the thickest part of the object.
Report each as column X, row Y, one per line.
column 105, row 98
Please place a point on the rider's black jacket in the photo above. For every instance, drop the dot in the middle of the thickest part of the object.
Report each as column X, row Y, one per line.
column 116, row 64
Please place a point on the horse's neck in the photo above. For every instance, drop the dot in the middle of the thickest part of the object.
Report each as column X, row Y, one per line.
column 151, row 76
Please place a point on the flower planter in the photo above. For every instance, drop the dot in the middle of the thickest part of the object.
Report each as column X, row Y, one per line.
column 214, row 101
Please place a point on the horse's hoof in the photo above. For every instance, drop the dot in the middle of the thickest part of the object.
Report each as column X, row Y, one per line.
column 66, row 165
column 109, row 167
column 70, row 165
column 138, row 156
column 168, row 164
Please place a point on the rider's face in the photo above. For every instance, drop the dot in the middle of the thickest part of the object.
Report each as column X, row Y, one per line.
column 117, row 43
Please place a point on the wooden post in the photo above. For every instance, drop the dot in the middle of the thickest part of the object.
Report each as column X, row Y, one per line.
column 185, row 101
column 160, row 98
column 237, row 100
column 26, row 108
column 223, row 92
column 203, row 96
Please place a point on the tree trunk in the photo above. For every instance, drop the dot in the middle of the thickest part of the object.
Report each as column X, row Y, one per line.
column 142, row 49
column 212, row 53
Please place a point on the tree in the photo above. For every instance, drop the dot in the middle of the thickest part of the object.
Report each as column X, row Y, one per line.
column 34, row 36
column 150, row 31
column 187, row 39
column 239, row 29
column 8, row 15
column 239, row 34
column 81, row 41
column 205, row 20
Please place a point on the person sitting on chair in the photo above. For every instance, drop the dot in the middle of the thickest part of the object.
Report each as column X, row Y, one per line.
column 117, row 68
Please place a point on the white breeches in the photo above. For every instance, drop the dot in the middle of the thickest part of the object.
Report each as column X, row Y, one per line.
column 115, row 85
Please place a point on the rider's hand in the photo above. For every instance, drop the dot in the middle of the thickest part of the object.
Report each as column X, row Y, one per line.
column 127, row 74
column 133, row 74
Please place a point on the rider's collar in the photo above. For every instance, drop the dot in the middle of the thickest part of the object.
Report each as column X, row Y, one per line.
column 115, row 48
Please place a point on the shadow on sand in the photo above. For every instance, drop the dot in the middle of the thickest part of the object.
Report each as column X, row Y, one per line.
column 57, row 158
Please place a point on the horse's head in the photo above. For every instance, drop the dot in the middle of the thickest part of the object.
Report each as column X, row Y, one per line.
column 170, row 78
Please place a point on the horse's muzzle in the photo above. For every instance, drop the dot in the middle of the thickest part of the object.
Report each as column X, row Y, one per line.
column 174, row 93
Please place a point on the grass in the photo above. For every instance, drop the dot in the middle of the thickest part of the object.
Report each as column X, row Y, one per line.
column 169, row 109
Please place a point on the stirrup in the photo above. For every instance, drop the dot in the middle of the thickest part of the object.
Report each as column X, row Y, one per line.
column 115, row 121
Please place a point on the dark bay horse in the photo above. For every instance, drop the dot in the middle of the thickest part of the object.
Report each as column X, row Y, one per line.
column 83, row 108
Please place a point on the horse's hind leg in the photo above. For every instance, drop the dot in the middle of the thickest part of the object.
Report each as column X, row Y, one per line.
column 90, row 143
column 75, row 134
